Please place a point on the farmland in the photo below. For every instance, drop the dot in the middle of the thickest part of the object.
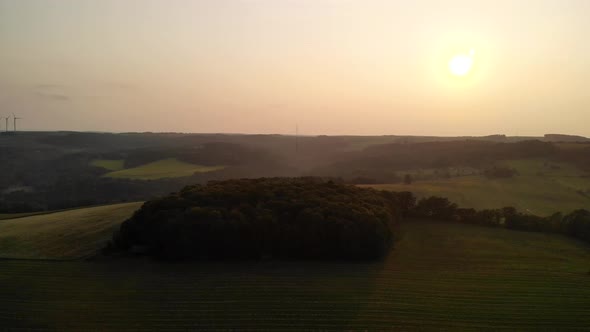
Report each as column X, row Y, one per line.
column 109, row 164
column 62, row 235
column 165, row 168
column 19, row 215
column 539, row 188
column 440, row 276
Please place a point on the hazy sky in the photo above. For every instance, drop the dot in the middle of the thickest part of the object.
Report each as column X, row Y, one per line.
column 261, row 66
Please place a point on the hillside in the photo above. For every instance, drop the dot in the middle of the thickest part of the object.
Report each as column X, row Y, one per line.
column 62, row 235
column 540, row 188
column 161, row 169
column 62, row 170
column 441, row 276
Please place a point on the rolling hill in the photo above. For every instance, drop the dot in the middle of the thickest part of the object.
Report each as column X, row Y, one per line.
column 62, row 235
column 540, row 188
column 109, row 164
column 161, row 169
column 440, row 276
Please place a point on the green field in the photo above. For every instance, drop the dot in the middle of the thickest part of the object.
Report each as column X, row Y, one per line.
column 109, row 164
column 62, row 235
column 165, row 168
column 441, row 276
column 540, row 188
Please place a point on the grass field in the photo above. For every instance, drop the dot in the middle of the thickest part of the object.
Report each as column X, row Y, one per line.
column 165, row 168
column 440, row 277
column 109, row 164
column 540, row 188
column 62, row 235
column 20, row 215
column 572, row 145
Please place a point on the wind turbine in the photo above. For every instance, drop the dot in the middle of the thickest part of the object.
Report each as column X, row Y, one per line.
column 296, row 137
column 6, row 122
column 14, row 118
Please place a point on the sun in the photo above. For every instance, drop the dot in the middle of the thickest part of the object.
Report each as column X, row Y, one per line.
column 461, row 64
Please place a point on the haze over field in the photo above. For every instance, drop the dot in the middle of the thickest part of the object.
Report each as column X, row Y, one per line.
column 261, row 66
column 289, row 165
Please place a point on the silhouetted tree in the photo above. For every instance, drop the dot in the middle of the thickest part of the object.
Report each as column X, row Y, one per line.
column 274, row 217
column 436, row 208
column 407, row 179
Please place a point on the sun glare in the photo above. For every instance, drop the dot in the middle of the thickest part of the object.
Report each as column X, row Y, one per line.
column 461, row 64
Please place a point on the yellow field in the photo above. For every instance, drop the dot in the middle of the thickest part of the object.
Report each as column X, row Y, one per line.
column 109, row 164
column 165, row 168
column 62, row 235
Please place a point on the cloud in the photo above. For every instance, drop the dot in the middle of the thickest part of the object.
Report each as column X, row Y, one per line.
column 53, row 96
column 51, row 91
column 121, row 85
column 49, row 86
column 62, row 93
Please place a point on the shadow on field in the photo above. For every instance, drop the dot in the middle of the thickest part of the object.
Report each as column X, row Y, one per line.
column 149, row 295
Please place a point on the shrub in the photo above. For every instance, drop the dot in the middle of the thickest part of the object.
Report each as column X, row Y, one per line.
column 500, row 172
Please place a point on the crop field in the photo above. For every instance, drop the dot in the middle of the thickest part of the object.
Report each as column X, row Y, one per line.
column 4, row 216
column 109, row 164
column 165, row 168
column 540, row 188
column 19, row 215
column 441, row 276
column 62, row 235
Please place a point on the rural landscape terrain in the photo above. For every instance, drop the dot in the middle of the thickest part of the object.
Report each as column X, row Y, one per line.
column 46, row 171
column 440, row 276
column 441, row 273
column 294, row 165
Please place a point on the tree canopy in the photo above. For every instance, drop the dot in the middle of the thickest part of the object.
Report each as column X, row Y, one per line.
column 300, row 218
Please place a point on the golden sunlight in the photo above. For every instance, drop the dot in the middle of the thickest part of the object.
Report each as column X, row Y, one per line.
column 461, row 64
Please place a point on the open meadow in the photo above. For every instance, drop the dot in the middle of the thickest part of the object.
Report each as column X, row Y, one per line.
column 109, row 164
column 20, row 215
column 161, row 169
column 540, row 188
column 68, row 234
column 440, row 276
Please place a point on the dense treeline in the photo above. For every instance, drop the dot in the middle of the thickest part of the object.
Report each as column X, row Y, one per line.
column 499, row 172
column 44, row 171
column 69, row 189
column 208, row 154
column 380, row 163
column 575, row 224
column 307, row 218
column 42, row 178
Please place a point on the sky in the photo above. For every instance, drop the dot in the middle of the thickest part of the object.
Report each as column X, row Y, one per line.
column 331, row 67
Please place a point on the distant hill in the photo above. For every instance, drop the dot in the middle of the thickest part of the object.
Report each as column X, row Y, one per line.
column 44, row 171
column 565, row 138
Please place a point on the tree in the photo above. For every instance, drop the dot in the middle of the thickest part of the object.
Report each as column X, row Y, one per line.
column 407, row 179
column 436, row 208
column 307, row 218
